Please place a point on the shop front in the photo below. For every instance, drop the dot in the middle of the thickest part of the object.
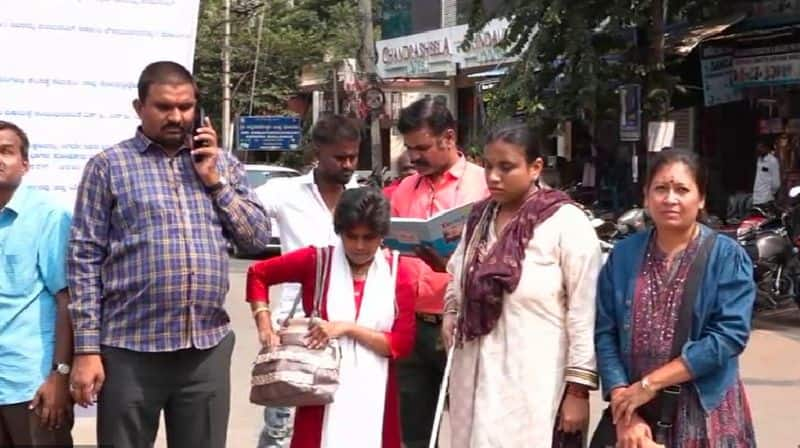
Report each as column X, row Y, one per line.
column 752, row 95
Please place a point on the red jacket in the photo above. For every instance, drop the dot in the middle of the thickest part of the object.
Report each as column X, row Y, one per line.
column 299, row 267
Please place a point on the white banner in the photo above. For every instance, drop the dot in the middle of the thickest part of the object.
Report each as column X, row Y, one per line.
column 70, row 73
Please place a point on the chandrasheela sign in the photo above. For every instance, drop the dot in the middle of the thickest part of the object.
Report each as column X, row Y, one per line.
column 439, row 51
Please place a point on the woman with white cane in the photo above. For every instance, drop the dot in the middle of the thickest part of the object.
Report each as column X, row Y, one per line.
column 520, row 309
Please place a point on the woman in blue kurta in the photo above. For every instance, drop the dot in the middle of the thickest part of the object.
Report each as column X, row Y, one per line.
column 639, row 297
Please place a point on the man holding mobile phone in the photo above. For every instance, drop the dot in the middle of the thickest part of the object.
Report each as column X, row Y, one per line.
column 148, row 271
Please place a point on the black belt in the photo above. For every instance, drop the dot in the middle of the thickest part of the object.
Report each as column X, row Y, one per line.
column 434, row 319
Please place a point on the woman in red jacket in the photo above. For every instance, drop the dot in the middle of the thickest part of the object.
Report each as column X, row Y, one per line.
column 372, row 320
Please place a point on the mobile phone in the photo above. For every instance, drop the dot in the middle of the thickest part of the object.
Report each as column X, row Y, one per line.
column 199, row 122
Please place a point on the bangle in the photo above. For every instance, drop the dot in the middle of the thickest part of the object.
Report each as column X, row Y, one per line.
column 260, row 310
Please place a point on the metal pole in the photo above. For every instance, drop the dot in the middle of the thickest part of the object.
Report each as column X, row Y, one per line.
column 368, row 64
column 258, row 54
column 335, row 90
column 226, row 79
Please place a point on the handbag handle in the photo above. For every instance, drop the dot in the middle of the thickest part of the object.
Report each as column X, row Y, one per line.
column 320, row 279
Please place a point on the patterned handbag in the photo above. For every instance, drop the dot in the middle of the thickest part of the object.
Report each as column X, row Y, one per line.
column 292, row 374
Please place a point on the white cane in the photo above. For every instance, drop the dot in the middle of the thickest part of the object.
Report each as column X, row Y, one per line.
column 437, row 420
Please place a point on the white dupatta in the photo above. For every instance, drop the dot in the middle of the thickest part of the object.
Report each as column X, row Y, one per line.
column 355, row 418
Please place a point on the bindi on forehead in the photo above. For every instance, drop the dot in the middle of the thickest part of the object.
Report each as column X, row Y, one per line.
column 671, row 180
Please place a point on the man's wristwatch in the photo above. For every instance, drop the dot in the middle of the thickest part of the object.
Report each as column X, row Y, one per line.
column 61, row 368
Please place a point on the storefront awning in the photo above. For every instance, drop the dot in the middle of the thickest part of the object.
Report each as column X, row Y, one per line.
column 681, row 42
column 758, row 34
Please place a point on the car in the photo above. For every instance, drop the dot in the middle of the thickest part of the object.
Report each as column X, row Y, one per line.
column 258, row 175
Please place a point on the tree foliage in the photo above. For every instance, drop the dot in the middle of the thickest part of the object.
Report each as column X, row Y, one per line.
column 574, row 53
column 307, row 33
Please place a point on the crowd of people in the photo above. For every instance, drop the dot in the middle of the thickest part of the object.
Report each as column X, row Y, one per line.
column 121, row 303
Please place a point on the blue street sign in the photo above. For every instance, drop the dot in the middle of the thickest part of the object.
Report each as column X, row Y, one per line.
column 269, row 133
column 630, row 120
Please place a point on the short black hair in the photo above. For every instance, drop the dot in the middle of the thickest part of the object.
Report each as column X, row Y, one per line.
column 362, row 206
column 23, row 137
column 331, row 129
column 164, row 72
column 430, row 112
column 518, row 134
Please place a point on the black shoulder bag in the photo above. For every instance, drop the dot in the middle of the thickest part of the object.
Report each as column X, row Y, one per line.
column 660, row 412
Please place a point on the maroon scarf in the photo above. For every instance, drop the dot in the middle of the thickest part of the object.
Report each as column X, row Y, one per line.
column 489, row 278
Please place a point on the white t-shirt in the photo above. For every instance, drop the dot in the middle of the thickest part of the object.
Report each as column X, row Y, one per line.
column 303, row 220
column 768, row 179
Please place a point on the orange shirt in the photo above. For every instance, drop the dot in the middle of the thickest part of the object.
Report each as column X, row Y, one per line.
column 418, row 197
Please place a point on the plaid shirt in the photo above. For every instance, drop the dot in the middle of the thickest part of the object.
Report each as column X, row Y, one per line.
column 148, row 263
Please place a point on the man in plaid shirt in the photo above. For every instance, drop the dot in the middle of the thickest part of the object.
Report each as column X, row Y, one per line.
column 148, row 272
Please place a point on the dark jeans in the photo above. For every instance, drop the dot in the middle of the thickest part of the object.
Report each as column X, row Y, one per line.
column 191, row 386
column 278, row 428
column 419, row 377
column 20, row 426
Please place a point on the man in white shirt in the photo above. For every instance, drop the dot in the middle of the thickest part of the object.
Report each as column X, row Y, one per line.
column 303, row 208
column 768, row 177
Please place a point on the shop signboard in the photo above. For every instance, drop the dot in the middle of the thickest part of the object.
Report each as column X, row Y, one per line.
column 485, row 48
column 439, row 51
column 419, row 54
column 767, row 66
column 718, row 77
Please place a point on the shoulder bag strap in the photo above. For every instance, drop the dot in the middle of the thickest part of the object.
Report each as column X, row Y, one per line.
column 690, row 290
column 669, row 397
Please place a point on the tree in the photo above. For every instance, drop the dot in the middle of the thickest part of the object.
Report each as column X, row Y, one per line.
column 573, row 53
column 307, row 33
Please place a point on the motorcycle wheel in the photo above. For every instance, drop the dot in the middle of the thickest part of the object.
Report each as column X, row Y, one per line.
column 768, row 297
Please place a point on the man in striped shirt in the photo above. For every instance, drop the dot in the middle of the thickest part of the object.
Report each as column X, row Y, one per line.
column 148, row 272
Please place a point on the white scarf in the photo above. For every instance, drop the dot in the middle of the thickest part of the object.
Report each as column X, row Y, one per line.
column 355, row 418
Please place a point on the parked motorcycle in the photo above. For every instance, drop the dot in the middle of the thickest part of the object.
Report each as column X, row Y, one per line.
column 610, row 231
column 772, row 242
